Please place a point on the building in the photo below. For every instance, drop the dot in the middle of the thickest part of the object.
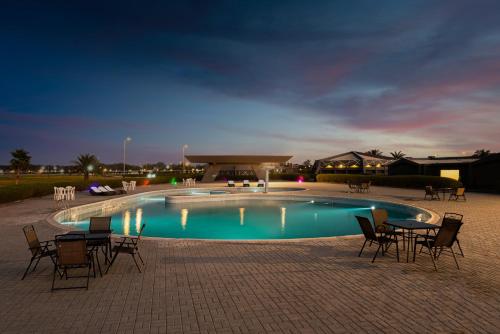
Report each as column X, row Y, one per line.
column 458, row 168
column 352, row 163
column 250, row 167
column 485, row 174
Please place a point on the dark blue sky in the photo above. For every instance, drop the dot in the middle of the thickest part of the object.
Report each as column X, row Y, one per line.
column 305, row 78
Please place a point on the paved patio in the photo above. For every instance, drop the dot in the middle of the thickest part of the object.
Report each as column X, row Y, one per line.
column 240, row 287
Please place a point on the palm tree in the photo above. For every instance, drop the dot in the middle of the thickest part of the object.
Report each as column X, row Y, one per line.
column 374, row 152
column 85, row 163
column 481, row 153
column 20, row 162
column 397, row 155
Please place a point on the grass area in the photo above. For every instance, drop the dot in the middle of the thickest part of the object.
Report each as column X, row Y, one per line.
column 41, row 185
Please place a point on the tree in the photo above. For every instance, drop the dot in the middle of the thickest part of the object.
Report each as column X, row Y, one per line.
column 20, row 162
column 374, row 152
column 86, row 163
column 397, row 154
column 481, row 153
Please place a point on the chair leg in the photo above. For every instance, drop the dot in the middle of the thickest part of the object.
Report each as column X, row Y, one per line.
column 54, row 276
column 88, row 277
column 361, row 251
column 27, row 269
column 36, row 264
column 112, row 261
column 432, row 256
column 98, row 263
column 460, row 248
column 140, row 257
column 454, row 257
column 397, row 246
column 376, row 253
column 136, row 264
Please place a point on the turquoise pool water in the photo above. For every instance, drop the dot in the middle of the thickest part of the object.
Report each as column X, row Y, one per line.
column 248, row 219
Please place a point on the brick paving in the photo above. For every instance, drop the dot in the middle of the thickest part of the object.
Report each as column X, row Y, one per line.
column 312, row 286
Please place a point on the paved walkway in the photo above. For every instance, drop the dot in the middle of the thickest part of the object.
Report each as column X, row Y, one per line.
column 316, row 286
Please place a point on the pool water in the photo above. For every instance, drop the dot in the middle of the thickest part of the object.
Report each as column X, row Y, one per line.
column 247, row 219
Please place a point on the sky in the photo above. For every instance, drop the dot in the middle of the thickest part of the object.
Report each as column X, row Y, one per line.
column 310, row 79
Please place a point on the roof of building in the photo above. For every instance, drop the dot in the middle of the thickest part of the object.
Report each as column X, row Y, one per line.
column 444, row 160
column 355, row 155
column 238, row 159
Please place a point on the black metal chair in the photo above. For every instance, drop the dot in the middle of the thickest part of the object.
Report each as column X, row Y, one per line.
column 101, row 225
column 458, row 193
column 381, row 240
column 72, row 253
column 445, row 238
column 128, row 245
column 429, row 191
column 39, row 249
column 453, row 217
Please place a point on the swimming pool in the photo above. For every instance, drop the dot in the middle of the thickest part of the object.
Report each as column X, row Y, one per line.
column 252, row 218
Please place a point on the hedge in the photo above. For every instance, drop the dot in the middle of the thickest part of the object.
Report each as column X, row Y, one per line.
column 398, row 181
column 31, row 188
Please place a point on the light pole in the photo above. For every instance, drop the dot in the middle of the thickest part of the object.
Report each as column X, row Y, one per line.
column 125, row 141
column 183, row 159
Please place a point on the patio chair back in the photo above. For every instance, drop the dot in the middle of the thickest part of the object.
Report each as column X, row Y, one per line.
column 72, row 252
column 366, row 227
column 453, row 217
column 380, row 216
column 100, row 225
column 32, row 239
column 460, row 191
column 447, row 233
column 428, row 190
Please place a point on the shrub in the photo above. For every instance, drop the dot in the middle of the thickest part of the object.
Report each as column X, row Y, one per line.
column 399, row 181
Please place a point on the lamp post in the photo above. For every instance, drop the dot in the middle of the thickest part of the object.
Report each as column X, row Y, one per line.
column 125, row 141
column 184, row 147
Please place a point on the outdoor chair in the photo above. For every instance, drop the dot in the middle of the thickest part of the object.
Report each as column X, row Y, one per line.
column 452, row 217
column 39, row 249
column 381, row 240
column 380, row 216
column 445, row 238
column 72, row 254
column 429, row 191
column 126, row 185
column 365, row 187
column 246, row 183
column 457, row 193
column 261, row 183
column 116, row 191
column 230, row 183
column 101, row 225
column 96, row 191
column 128, row 245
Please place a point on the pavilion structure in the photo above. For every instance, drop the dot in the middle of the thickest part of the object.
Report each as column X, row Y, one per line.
column 237, row 166
column 352, row 162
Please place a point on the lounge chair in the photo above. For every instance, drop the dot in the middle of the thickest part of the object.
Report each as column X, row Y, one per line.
column 106, row 191
column 230, row 183
column 457, row 193
column 429, row 191
column 370, row 235
column 72, row 253
column 96, row 191
column 39, row 249
column 116, row 191
column 128, row 245
column 261, row 183
column 445, row 238
column 246, row 183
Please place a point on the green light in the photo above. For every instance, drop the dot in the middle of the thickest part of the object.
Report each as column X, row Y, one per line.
column 173, row 181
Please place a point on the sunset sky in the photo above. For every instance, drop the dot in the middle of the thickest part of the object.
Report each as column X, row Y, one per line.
column 306, row 78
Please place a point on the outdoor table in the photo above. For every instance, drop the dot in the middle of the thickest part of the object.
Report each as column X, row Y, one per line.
column 411, row 226
column 444, row 191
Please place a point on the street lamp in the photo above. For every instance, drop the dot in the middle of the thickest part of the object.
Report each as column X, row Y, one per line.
column 183, row 158
column 125, row 141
